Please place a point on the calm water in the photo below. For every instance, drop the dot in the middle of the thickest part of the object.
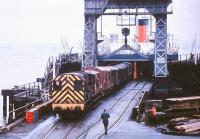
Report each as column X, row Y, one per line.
column 21, row 65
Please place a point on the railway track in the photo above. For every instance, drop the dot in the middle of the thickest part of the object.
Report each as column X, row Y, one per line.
column 68, row 131
column 50, row 129
column 123, row 112
column 83, row 135
column 53, row 127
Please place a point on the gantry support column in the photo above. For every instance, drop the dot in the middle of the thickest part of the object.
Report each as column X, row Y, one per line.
column 90, row 42
column 160, row 62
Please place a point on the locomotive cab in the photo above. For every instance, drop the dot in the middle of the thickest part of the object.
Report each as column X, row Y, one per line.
column 68, row 93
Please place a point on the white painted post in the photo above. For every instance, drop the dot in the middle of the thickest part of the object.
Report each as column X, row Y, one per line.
column 7, row 109
column 13, row 111
column 2, row 122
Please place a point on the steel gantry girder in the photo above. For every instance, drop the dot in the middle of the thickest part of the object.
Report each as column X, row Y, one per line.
column 90, row 31
column 90, row 42
column 153, row 6
column 160, row 62
column 160, row 53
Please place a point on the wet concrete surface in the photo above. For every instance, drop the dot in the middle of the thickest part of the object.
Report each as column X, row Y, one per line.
column 134, row 130
column 114, row 104
column 91, row 127
column 27, row 130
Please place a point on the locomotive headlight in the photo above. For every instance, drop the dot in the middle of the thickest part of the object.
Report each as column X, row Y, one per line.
column 57, row 83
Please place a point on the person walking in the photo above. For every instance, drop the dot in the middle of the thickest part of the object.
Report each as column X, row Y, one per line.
column 104, row 116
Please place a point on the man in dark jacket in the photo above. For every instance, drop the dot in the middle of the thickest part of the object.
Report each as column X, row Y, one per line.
column 104, row 117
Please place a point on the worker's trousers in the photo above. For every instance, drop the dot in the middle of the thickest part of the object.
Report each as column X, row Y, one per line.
column 105, row 126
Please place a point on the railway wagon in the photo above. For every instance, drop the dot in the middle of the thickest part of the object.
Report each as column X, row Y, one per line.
column 73, row 93
column 104, row 79
column 114, row 76
column 124, row 72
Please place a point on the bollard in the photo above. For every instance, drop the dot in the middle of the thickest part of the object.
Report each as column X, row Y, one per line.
column 134, row 113
column 147, row 118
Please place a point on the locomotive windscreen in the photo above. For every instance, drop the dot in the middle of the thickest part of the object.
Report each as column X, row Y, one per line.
column 78, row 85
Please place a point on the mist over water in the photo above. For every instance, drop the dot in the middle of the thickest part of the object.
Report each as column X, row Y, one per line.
column 22, row 65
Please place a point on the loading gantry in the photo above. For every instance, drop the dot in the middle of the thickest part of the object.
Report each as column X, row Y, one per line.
column 158, row 8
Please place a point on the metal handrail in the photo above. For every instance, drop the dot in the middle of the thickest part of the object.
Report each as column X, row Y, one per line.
column 34, row 90
column 30, row 104
column 187, row 58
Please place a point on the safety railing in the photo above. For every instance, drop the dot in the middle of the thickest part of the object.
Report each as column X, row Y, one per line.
column 58, row 61
column 28, row 90
column 187, row 58
column 68, row 58
column 20, row 112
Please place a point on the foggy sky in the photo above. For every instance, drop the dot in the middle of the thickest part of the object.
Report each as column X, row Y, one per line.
column 46, row 21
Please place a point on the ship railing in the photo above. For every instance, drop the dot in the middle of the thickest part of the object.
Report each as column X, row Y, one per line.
column 58, row 61
column 185, row 58
column 68, row 58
